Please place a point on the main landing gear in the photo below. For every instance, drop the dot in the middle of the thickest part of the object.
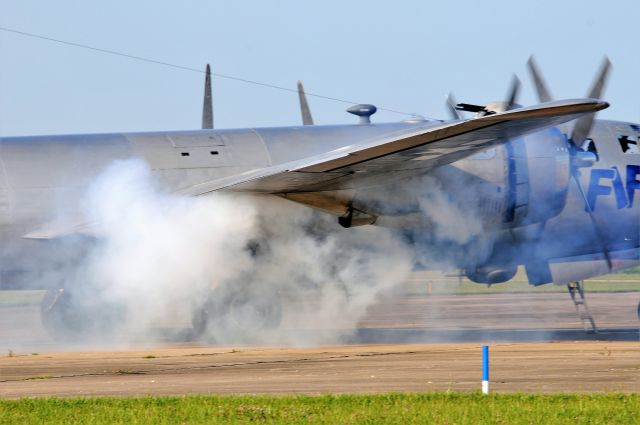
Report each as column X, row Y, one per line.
column 238, row 313
column 576, row 291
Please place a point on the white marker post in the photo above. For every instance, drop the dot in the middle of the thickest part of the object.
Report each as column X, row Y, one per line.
column 485, row 369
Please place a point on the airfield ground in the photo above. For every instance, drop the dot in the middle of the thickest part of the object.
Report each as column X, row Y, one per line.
column 522, row 367
column 420, row 340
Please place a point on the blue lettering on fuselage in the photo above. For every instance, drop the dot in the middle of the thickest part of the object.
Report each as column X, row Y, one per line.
column 633, row 182
column 604, row 180
column 595, row 188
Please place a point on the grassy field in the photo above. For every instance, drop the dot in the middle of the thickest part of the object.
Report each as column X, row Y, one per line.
column 20, row 298
column 433, row 283
column 436, row 408
column 426, row 283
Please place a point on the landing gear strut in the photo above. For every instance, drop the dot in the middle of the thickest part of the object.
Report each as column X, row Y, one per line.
column 576, row 290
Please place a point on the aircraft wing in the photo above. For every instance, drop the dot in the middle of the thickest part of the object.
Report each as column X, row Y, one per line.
column 380, row 161
column 404, row 155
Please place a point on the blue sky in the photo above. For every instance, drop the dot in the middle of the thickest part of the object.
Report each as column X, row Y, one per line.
column 403, row 55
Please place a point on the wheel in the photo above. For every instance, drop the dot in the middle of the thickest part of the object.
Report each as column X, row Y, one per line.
column 638, row 310
column 237, row 313
column 258, row 308
column 204, row 315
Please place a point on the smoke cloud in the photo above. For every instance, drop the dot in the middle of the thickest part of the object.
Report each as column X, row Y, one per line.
column 158, row 253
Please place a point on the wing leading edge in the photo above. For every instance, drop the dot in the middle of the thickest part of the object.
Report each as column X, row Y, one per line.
column 410, row 153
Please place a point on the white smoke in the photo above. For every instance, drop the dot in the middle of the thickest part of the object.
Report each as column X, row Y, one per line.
column 159, row 252
column 452, row 221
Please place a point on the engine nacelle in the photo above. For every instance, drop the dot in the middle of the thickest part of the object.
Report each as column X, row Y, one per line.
column 459, row 213
column 530, row 188
column 490, row 275
column 537, row 173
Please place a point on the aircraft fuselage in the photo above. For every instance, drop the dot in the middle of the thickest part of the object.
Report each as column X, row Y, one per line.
column 523, row 194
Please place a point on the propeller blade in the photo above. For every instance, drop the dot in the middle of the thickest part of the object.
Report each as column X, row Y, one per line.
column 583, row 125
column 207, row 106
column 512, row 97
column 580, row 132
column 307, row 119
column 543, row 93
column 454, row 113
column 596, row 227
column 601, row 80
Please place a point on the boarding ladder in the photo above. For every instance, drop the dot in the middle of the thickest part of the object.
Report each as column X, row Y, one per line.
column 576, row 290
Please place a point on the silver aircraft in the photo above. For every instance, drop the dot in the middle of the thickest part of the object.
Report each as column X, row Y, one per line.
column 556, row 191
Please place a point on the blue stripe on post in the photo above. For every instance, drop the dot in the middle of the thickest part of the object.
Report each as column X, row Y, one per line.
column 485, row 362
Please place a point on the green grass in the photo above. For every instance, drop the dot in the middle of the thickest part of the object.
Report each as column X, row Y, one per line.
column 436, row 408
column 635, row 270
column 468, row 287
column 18, row 298
column 417, row 284
column 35, row 378
column 433, row 283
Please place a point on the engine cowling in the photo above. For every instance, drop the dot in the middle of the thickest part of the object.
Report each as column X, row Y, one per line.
column 490, row 275
column 535, row 183
column 537, row 173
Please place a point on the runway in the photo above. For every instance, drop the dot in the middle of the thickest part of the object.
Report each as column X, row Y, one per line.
column 540, row 367
column 399, row 318
column 404, row 343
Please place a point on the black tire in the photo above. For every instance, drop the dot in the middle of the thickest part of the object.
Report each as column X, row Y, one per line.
column 238, row 313
column 204, row 315
column 259, row 308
